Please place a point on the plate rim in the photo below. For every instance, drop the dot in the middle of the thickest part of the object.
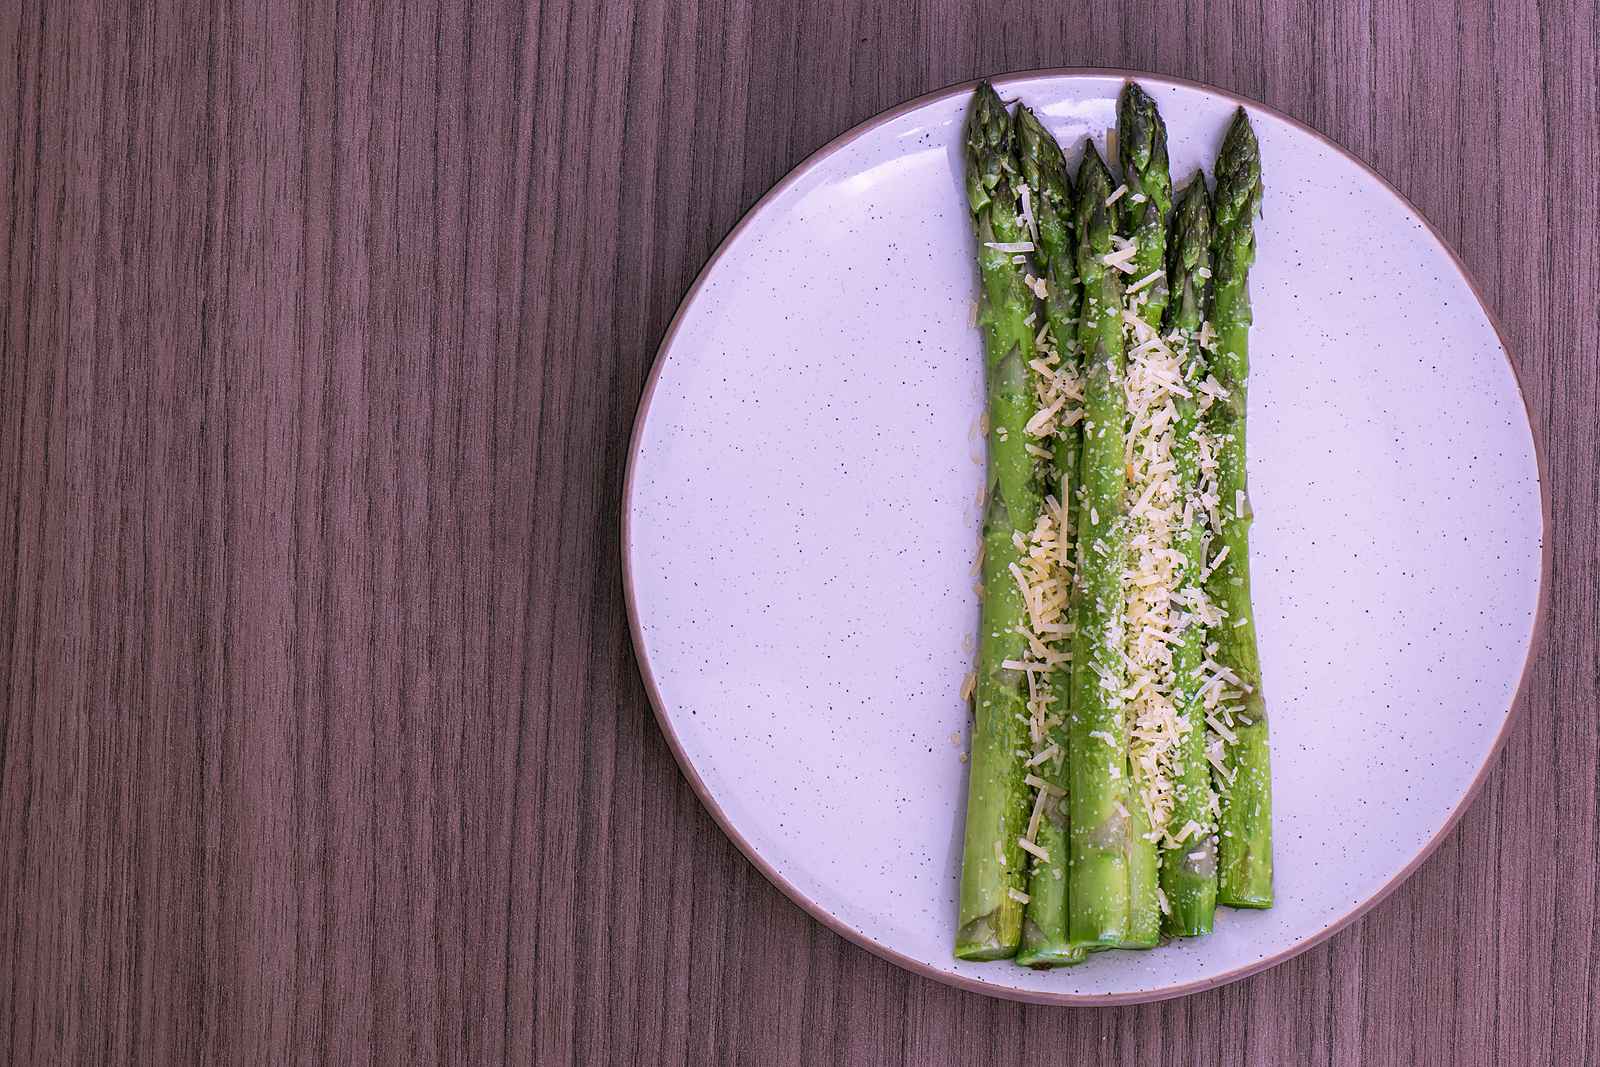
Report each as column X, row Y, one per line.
column 1536, row 636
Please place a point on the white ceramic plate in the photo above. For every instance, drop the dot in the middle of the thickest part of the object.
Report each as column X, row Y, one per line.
column 801, row 515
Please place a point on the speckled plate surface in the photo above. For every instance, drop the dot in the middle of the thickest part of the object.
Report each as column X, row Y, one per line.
column 801, row 516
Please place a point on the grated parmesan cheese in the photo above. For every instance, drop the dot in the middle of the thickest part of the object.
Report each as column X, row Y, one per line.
column 1147, row 280
column 1122, row 260
column 1040, row 424
column 1159, row 601
column 1043, row 786
column 1043, row 755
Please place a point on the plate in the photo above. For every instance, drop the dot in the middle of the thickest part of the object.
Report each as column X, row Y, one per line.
column 801, row 517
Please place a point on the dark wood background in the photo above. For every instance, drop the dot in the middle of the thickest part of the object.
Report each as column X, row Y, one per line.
column 324, row 324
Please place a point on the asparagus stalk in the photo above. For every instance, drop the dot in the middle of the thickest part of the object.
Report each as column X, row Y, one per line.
column 1099, row 803
column 1045, row 941
column 993, row 872
column 1245, row 875
column 1189, row 868
column 1144, row 210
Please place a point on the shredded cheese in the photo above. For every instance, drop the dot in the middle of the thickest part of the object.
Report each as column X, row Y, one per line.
column 1222, row 731
column 1159, row 600
column 1147, row 280
column 1121, row 259
column 1043, row 786
column 1043, row 755
column 1025, row 199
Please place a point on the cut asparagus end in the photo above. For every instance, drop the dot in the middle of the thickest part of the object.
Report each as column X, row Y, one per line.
column 1044, row 954
column 981, row 939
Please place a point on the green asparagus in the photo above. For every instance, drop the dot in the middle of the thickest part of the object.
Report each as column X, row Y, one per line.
column 1245, row 872
column 1044, row 930
column 993, row 871
column 1189, row 865
column 1144, row 209
column 1098, row 798
column 1147, row 205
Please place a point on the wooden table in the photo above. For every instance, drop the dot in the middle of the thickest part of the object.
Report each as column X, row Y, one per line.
column 321, row 737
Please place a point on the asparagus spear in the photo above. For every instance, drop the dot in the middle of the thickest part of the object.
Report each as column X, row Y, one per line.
column 1099, row 802
column 1044, row 929
column 1142, row 151
column 993, row 872
column 1245, row 878
column 1189, row 868
column 1144, row 210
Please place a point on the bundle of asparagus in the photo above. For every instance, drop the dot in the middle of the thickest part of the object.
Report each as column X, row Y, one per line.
column 1119, row 780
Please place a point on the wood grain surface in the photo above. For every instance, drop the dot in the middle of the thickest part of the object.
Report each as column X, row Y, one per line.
column 324, row 324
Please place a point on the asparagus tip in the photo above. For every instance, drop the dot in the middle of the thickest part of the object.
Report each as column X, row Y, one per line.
column 988, row 146
column 1141, row 132
column 1238, row 172
column 1092, row 163
column 1044, row 167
